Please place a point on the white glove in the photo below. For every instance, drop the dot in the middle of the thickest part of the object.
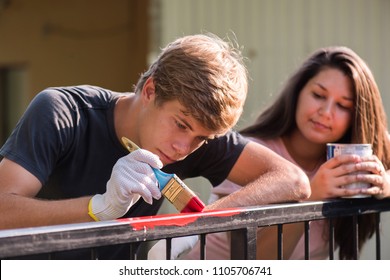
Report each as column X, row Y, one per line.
column 179, row 246
column 132, row 177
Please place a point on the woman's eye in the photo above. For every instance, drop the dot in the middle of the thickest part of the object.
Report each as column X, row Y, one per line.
column 316, row 95
column 343, row 107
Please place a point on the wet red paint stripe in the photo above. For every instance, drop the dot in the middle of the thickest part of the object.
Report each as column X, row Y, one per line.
column 183, row 219
column 194, row 205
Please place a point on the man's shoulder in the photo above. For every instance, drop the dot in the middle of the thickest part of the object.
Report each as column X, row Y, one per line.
column 79, row 90
column 229, row 144
column 78, row 96
column 229, row 139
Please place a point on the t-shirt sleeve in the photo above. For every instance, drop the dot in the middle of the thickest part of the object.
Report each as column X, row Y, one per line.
column 41, row 134
column 213, row 160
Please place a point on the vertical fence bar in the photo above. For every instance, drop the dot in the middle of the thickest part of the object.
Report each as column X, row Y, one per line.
column 243, row 244
column 168, row 248
column 378, row 236
column 331, row 239
column 280, row 242
column 133, row 251
column 355, row 236
column 307, row 240
column 94, row 254
column 203, row 246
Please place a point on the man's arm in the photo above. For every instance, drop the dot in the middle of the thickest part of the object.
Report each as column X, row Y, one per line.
column 132, row 177
column 266, row 177
column 19, row 208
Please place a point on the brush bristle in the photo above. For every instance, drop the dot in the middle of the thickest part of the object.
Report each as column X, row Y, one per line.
column 181, row 196
column 194, row 205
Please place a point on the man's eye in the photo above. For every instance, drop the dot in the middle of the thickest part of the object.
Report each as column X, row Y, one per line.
column 180, row 125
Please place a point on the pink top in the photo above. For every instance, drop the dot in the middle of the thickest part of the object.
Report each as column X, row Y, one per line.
column 218, row 245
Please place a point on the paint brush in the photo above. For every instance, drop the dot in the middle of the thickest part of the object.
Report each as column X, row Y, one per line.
column 172, row 187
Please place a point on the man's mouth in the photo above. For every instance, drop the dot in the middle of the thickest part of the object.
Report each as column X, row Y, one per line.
column 165, row 158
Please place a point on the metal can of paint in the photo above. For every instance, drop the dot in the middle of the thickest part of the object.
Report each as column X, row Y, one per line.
column 334, row 149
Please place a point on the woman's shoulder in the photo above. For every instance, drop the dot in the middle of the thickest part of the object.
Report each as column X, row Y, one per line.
column 274, row 144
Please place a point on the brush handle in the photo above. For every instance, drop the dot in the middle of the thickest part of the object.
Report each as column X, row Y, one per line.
column 162, row 177
column 129, row 145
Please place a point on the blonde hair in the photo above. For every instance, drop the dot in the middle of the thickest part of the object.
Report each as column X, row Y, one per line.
column 206, row 75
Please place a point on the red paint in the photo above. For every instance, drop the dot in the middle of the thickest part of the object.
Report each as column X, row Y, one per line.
column 149, row 222
column 194, row 205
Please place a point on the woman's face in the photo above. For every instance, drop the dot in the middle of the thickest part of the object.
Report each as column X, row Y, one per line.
column 325, row 107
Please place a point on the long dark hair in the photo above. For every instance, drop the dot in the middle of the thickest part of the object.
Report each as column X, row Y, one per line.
column 369, row 123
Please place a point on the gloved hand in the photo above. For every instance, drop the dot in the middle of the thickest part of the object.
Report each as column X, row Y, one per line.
column 132, row 177
column 179, row 246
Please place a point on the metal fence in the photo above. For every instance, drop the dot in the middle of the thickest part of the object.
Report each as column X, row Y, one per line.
column 242, row 223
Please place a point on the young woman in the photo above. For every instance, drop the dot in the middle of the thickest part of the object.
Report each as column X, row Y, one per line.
column 331, row 98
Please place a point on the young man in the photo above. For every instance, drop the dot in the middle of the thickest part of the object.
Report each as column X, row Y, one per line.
column 66, row 148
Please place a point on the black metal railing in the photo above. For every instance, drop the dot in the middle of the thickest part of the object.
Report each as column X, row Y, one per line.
column 242, row 223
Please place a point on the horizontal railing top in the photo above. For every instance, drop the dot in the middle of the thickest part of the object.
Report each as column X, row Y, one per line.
column 35, row 240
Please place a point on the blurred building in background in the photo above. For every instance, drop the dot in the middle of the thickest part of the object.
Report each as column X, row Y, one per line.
column 47, row 43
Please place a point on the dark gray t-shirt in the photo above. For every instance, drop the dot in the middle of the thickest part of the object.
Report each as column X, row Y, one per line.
column 66, row 138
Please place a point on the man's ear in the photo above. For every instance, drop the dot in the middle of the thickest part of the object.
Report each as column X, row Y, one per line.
column 148, row 90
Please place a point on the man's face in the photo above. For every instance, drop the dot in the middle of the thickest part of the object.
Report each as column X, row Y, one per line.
column 169, row 132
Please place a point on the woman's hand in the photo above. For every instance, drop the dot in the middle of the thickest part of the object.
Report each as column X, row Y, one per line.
column 378, row 177
column 333, row 174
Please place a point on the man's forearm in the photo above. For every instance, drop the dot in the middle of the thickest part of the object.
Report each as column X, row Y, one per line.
column 28, row 212
column 272, row 187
